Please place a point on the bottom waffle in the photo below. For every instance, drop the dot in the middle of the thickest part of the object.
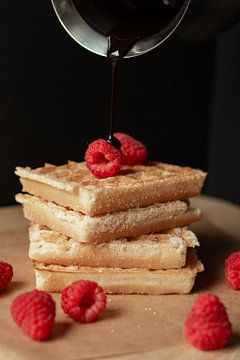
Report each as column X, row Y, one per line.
column 54, row 278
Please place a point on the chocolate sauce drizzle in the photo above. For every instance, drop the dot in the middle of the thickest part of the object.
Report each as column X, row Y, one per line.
column 125, row 22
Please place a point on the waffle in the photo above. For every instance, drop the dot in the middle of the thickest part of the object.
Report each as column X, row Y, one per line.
column 73, row 186
column 132, row 222
column 155, row 251
column 54, row 278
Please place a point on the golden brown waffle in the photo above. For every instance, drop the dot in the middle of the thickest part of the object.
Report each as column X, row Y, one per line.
column 132, row 222
column 54, row 278
column 72, row 185
column 166, row 250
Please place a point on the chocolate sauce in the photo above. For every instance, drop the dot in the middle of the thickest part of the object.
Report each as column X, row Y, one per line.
column 125, row 22
column 110, row 138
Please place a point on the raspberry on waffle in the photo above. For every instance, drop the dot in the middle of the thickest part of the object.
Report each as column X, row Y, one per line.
column 133, row 151
column 103, row 159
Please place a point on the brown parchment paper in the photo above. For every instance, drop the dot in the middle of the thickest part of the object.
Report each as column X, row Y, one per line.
column 133, row 327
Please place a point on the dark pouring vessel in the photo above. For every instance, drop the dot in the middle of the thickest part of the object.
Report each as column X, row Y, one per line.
column 143, row 24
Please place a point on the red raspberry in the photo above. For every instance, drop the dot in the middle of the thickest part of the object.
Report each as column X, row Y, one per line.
column 207, row 326
column 83, row 300
column 232, row 270
column 209, row 306
column 134, row 152
column 6, row 274
column 103, row 159
column 34, row 312
column 207, row 335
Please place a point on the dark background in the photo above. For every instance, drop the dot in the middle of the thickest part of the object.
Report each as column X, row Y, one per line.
column 182, row 99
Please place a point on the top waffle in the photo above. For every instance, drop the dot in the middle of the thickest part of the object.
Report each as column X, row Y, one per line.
column 73, row 186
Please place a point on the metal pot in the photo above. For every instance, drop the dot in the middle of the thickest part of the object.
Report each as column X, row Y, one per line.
column 96, row 42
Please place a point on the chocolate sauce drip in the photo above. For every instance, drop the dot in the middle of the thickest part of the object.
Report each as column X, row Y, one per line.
column 125, row 22
column 111, row 138
column 117, row 49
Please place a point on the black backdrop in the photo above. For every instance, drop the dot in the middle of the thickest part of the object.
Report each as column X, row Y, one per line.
column 182, row 100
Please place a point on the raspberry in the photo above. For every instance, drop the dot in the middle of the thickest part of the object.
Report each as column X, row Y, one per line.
column 34, row 312
column 207, row 335
column 134, row 152
column 6, row 274
column 209, row 306
column 207, row 326
column 83, row 300
column 103, row 159
column 232, row 270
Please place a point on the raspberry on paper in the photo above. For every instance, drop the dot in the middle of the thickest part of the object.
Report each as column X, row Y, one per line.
column 209, row 307
column 34, row 312
column 134, row 152
column 83, row 300
column 207, row 326
column 232, row 270
column 207, row 335
column 103, row 159
column 6, row 274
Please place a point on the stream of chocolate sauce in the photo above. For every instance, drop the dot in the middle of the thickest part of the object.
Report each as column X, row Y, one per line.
column 125, row 22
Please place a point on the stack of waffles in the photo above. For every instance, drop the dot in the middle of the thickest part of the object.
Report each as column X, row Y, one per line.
column 128, row 233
